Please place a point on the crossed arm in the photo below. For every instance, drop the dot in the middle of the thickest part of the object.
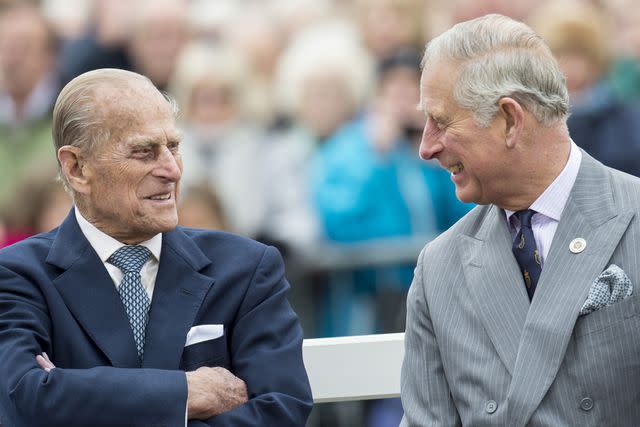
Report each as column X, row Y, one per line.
column 33, row 392
column 210, row 391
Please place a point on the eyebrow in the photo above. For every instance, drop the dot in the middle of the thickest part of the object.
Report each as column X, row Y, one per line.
column 143, row 142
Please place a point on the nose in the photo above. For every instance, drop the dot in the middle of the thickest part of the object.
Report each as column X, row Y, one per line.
column 430, row 144
column 169, row 165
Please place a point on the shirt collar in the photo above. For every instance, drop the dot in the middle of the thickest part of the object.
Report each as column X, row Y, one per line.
column 105, row 245
column 553, row 199
column 38, row 103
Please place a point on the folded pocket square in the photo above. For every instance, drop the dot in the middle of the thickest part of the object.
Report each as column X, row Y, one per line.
column 204, row 333
column 611, row 286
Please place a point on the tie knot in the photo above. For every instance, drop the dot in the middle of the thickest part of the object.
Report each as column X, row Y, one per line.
column 525, row 217
column 130, row 258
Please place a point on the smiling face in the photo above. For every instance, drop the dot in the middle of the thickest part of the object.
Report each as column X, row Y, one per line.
column 477, row 157
column 132, row 178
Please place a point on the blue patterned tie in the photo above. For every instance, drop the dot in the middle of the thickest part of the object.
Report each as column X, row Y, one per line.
column 526, row 252
column 130, row 259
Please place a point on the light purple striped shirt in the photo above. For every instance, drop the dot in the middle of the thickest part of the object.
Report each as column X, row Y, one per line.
column 550, row 204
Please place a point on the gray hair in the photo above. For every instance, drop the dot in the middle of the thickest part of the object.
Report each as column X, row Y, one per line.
column 77, row 120
column 502, row 57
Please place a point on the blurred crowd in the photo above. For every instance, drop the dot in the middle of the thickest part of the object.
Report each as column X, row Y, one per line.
column 300, row 125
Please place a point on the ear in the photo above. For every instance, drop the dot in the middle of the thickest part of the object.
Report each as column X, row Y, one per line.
column 73, row 167
column 513, row 114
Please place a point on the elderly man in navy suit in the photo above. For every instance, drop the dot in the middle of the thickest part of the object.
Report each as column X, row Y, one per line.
column 121, row 318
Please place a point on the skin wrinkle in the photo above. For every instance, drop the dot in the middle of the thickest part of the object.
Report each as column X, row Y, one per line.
column 120, row 178
column 493, row 157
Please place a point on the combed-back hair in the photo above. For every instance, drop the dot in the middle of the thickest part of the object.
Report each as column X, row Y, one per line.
column 500, row 57
column 77, row 114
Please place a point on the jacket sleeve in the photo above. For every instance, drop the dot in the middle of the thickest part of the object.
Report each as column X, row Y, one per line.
column 266, row 353
column 100, row 396
column 426, row 398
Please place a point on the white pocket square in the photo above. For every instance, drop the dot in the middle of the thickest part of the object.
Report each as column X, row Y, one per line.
column 611, row 286
column 204, row 333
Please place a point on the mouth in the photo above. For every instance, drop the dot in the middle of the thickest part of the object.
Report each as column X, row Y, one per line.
column 456, row 169
column 160, row 197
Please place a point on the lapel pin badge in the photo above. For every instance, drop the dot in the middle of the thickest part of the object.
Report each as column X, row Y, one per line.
column 577, row 245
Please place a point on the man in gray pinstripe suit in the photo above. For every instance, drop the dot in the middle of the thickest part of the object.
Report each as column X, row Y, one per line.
column 480, row 349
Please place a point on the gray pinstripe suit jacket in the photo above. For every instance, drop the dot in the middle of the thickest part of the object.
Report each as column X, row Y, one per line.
column 478, row 354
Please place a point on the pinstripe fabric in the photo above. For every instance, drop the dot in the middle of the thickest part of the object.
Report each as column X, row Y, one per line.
column 477, row 354
column 550, row 205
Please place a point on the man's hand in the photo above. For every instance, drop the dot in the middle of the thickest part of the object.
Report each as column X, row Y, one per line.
column 212, row 391
column 44, row 362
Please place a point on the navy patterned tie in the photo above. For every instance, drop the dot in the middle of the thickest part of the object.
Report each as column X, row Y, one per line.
column 526, row 252
column 130, row 259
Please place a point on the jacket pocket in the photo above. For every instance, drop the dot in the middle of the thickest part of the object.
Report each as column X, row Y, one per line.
column 607, row 317
column 206, row 353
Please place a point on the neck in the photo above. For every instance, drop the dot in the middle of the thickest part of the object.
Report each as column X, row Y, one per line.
column 108, row 229
column 541, row 160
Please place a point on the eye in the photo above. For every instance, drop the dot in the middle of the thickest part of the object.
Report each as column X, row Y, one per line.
column 439, row 124
column 174, row 147
column 143, row 152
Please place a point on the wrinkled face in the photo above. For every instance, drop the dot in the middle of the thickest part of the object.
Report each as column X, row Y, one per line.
column 24, row 54
column 475, row 156
column 133, row 178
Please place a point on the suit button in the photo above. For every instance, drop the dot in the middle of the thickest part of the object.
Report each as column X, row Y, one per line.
column 491, row 407
column 586, row 404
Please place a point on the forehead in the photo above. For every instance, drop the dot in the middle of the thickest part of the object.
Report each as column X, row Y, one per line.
column 136, row 109
column 436, row 85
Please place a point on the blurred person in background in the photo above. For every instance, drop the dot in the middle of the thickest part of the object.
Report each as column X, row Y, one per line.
column 463, row 10
column 159, row 32
column 220, row 145
column 200, row 207
column 67, row 17
column 259, row 35
column 625, row 73
column 39, row 205
column 368, row 183
column 390, row 25
column 322, row 82
column 144, row 36
column 298, row 16
column 29, row 88
column 3, row 235
column 103, row 43
column 603, row 124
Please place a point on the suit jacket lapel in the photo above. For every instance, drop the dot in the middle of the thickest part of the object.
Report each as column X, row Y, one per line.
column 564, row 285
column 177, row 296
column 495, row 284
column 89, row 293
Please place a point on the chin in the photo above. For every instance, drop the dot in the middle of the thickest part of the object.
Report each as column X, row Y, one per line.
column 162, row 225
column 168, row 225
column 462, row 196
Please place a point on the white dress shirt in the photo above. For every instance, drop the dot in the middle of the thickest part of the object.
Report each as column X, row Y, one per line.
column 550, row 204
column 105, row 246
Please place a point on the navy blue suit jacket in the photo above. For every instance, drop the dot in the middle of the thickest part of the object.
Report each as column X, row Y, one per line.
column 57, row 297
